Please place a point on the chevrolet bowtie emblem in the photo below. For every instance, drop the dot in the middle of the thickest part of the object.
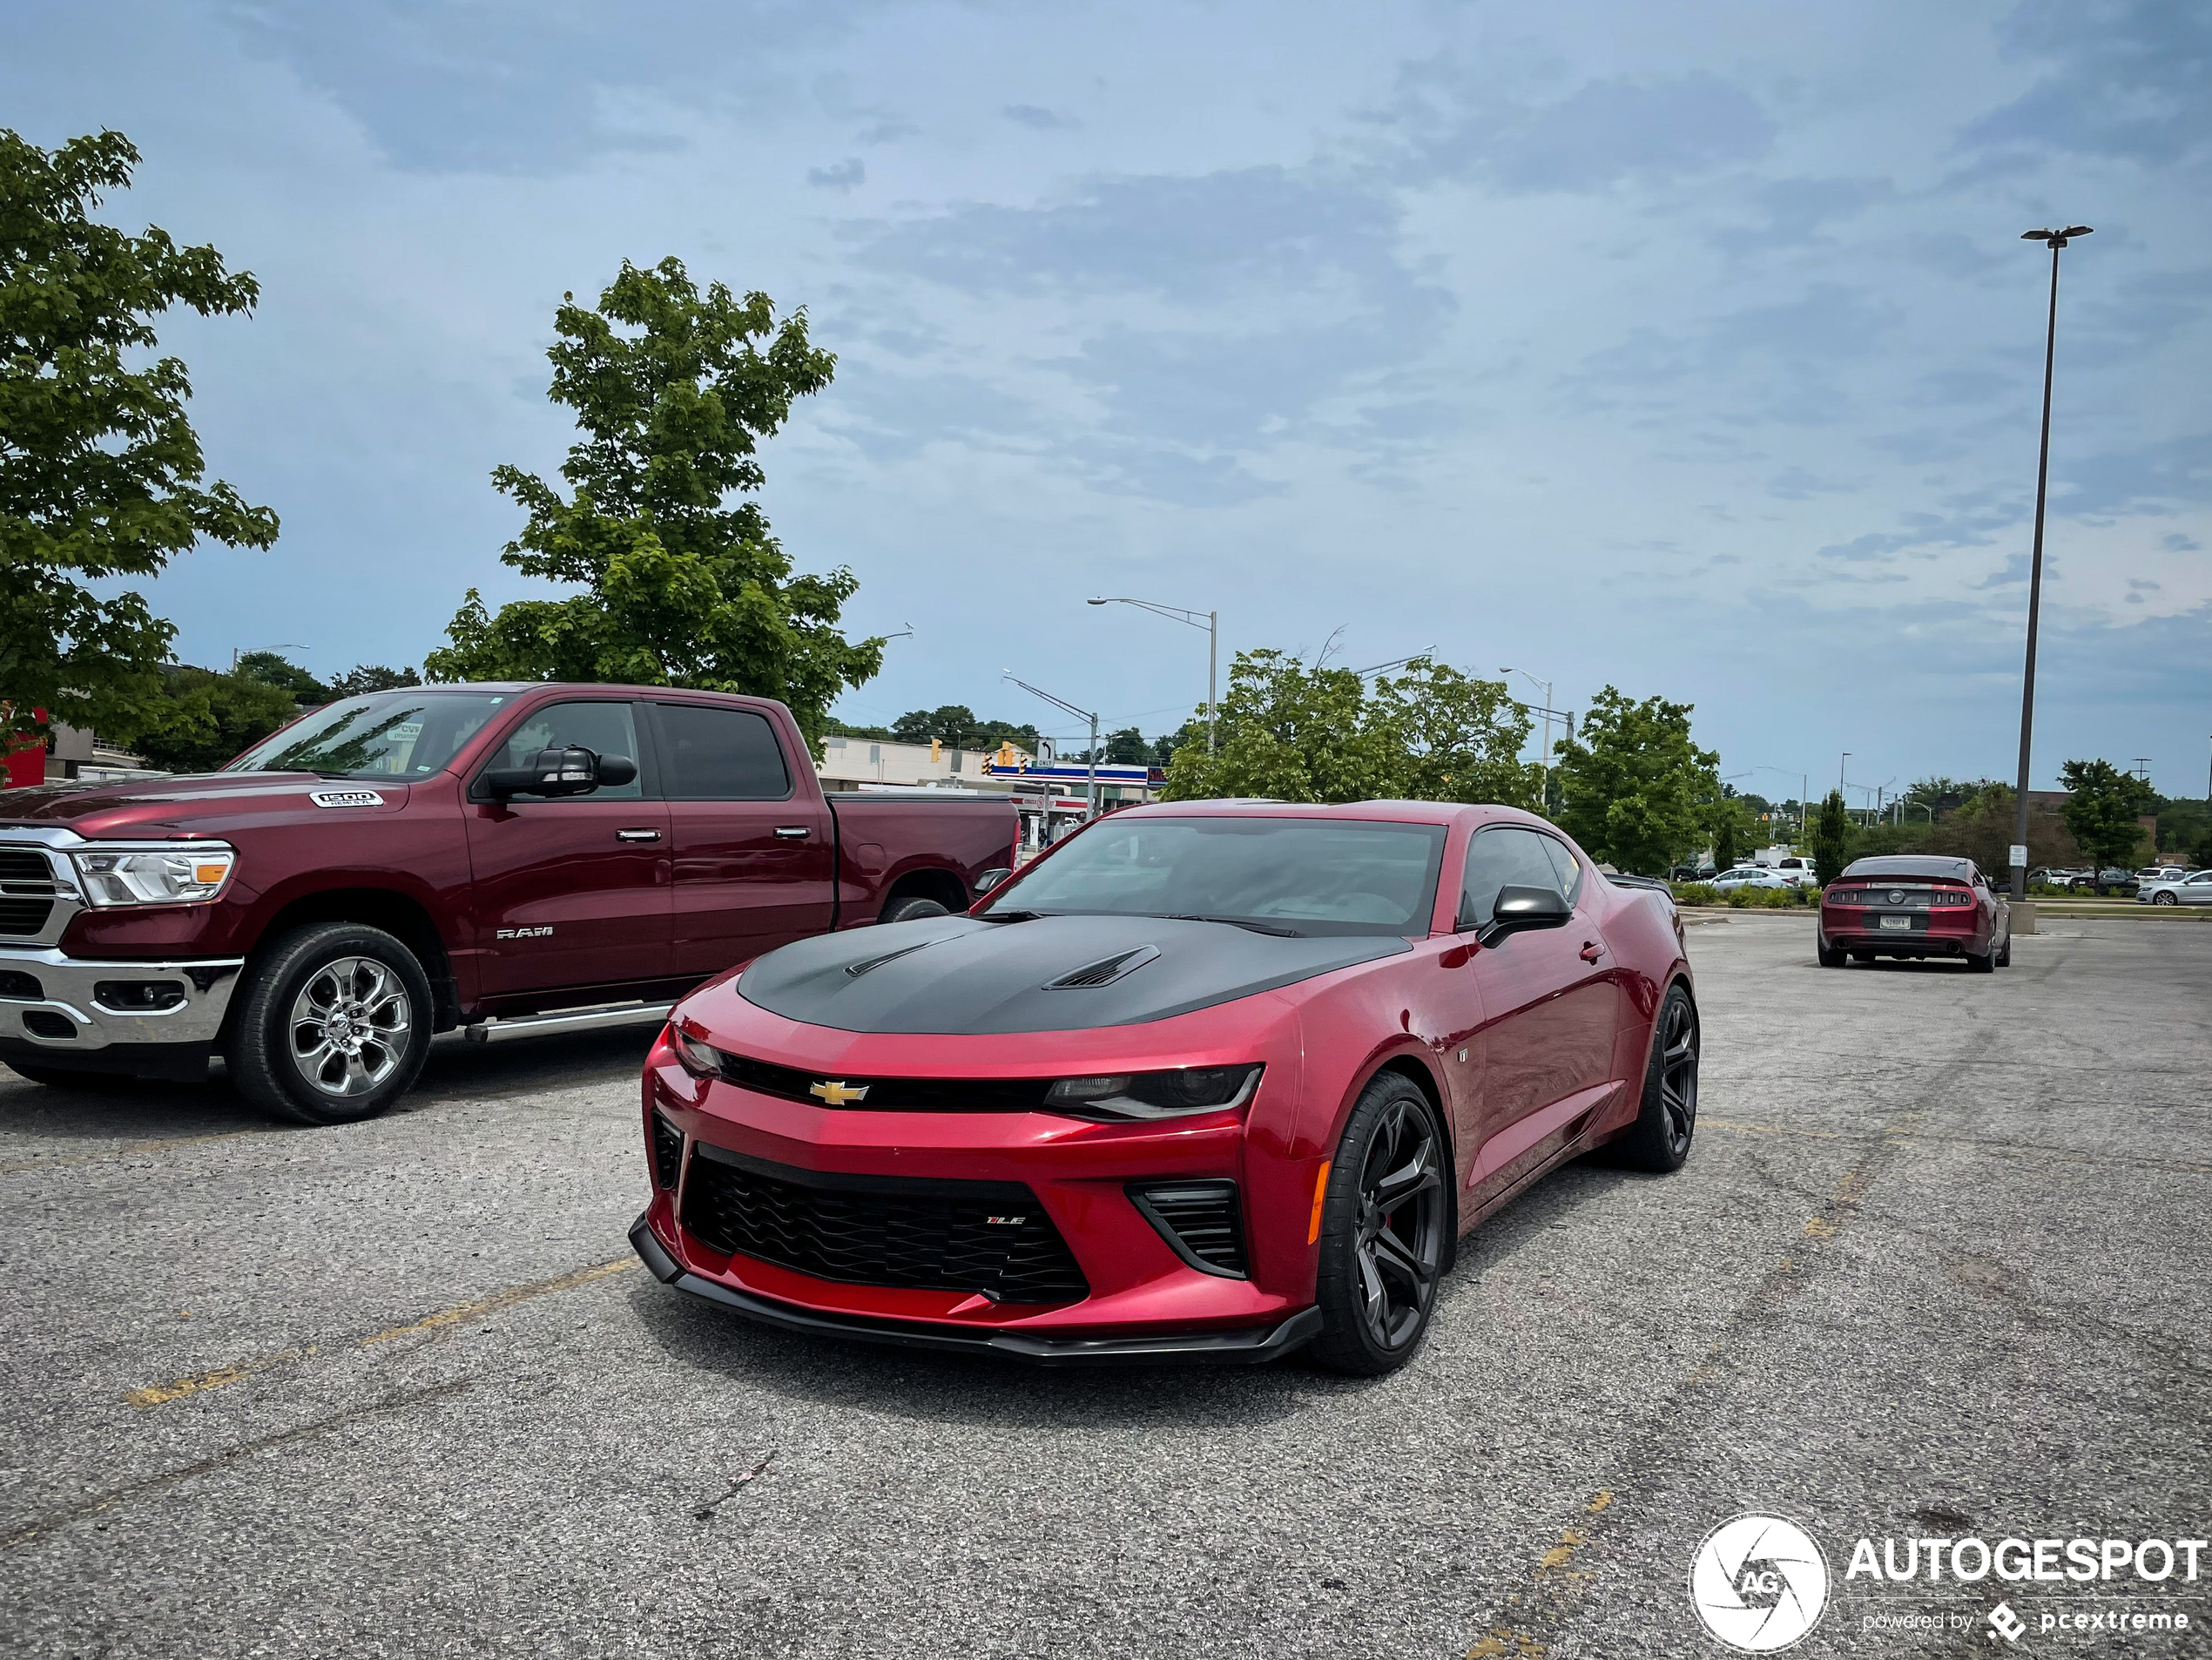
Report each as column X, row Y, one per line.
column 837, row 1094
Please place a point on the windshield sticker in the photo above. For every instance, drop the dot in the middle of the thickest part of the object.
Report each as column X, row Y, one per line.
column 346, row 798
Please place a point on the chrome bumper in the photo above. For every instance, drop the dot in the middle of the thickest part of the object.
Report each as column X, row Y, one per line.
column 85, row 994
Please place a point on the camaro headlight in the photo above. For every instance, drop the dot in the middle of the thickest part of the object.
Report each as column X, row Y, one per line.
column 185, row 876
column 700, row 1060
column 1122, row 1096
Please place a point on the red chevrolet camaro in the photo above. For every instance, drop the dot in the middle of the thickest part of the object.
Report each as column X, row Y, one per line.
column 1208, row 1081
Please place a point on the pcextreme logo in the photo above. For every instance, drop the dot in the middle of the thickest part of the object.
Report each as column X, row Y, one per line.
column 1759, row 1584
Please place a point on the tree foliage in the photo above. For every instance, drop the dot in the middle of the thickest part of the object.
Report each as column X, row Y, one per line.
column 674, row 391
column 100, row 470
column 1831, row 838
column 212, row 717
column 2103, row 810
column 272, row 669
column 1635, row 790
column 1300, row 733
column 956, row 726
column 372, row 676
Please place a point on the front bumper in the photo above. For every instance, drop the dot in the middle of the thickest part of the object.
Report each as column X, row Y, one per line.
column 1233, row 1348
column 65, row 1007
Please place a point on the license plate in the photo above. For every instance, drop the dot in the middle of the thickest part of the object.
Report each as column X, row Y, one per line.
column 1904, row 924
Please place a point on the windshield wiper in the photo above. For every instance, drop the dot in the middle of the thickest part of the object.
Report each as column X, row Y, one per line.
column 1238, row 923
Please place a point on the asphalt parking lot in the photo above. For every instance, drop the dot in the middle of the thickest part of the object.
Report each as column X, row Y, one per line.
column 1936, row 1265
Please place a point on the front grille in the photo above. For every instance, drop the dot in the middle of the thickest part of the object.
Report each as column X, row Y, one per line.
column 668, row 1152
column 18, row 986
column 1199, row 1219
column 24, row 916
column 883, row 1094
column 987, row 1236
column 23, row 865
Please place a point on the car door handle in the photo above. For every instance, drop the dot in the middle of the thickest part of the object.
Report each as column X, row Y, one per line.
column 636, row 835
column 793, row 832
column 1592, row 950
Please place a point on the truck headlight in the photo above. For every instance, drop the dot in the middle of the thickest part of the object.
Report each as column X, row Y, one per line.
column 187, row 876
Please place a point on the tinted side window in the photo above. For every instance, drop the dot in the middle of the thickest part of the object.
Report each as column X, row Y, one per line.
column 710, row 754
column 1502, row 857
column 603, row 728
column 1569, row 872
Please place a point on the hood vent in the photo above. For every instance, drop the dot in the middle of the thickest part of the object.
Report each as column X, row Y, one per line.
column 856, row 969
column 1105, row 971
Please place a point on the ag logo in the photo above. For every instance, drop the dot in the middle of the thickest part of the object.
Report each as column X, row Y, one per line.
column 1759, row 1584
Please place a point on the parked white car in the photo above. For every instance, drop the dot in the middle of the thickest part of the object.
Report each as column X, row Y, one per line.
column 1750, row 876
column 2194, row 888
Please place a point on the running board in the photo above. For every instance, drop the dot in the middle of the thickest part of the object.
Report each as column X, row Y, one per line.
column 597, row 1017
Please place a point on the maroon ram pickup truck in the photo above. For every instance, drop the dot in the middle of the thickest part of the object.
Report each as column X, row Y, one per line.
column 505, row 857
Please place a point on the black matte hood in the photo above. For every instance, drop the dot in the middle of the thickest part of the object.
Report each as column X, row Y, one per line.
column 959, row 975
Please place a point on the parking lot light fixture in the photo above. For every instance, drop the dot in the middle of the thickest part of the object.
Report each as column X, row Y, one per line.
column 1179, row 614
column 2054, row 240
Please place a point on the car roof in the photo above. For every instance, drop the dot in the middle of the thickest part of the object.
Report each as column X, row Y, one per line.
column 1910, row 865
column 1440, row 813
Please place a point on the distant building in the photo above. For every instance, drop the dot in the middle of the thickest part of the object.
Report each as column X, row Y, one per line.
column 858, row 763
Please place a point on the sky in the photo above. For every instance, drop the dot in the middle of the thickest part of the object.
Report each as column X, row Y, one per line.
column 1689, row 349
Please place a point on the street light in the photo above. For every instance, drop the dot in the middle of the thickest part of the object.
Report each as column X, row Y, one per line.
column 1178, row 614
column 2054, row 240
column 1547, row 686
column 1091, row 793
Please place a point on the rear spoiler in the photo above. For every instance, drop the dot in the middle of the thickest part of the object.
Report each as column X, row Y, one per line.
column 1652, row 882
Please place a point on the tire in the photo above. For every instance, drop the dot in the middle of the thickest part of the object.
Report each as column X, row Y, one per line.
column 1831, row 956
column 69, row 1077
column 913, row 909
column 1659, row 1140
column 1387, row 1231
column 333, row 1026
column 2163, row 899
column 2005, row 952
column 1986, row 964
column 1862, row 957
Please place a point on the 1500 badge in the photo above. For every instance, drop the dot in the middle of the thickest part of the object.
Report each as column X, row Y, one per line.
column 346, row 798
column 524, row 934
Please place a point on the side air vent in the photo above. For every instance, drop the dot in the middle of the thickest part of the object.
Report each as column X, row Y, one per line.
column 863, row 967
column 1201, row 1221
column 668, row 1152
column 1105, row 971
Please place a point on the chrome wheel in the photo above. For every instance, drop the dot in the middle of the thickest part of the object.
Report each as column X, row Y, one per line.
column 350, row 1026
column 1678, row 1075
column 1400, row 1235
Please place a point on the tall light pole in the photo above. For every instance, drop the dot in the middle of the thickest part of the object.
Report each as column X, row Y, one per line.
column 2055, row 240
column 1842, row 769
column 1547, row 686
column 1178, row 614
column 1090, row 810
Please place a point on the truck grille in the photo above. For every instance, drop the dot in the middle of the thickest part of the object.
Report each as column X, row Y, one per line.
column 24, row 916
column 26, row 891
column 23, row 865
column 987, row 1236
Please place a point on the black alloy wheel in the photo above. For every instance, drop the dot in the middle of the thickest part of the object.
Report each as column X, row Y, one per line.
column 1660, row 1138
column 913, row 909
column 1386, row 1230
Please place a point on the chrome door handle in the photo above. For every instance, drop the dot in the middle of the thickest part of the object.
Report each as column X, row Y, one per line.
column 636, row 835
column 792, row 832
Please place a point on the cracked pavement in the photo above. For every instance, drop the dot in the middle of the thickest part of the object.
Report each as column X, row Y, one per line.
column 1937, row 1262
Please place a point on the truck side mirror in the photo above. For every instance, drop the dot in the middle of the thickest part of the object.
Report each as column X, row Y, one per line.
column 989, row 880
column 614, row 770
column 573, row 770
column 1519, row 909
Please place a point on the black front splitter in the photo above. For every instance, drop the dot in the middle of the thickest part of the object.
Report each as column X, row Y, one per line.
column 1218, row 1348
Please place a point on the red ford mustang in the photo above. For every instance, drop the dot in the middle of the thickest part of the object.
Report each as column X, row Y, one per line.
column 1914, row 905
column 1210, row 1081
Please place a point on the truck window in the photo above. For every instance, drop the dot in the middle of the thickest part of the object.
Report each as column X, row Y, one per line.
column 710, row 754
column 603, row 728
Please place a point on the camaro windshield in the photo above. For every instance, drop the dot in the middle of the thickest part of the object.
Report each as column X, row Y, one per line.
column 401, row 734
column 1335, row 876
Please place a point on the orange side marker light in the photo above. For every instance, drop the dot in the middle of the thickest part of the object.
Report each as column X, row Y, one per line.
column 1320, row 1190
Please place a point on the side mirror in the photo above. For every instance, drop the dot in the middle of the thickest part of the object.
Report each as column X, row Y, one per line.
column 573, row 770
column 1519, row 909
column 990, row 880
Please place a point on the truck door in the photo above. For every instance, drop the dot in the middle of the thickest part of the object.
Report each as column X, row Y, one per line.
column 573, row 892
column 753, row 846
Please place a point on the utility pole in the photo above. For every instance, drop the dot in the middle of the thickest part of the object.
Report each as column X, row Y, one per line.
column 1178, row 614
column 1547, row 686
column 1091, row 795
column 2055, row 240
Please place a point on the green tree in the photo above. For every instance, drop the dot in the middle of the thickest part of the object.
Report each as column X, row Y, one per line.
column 1831, row 836
column 1635, row 790
column 2103, row 810
column 1459, row 738
column 212, row 717
column 1128, row 748
column 674, row 391
column 372, row 676
column 1728, row 821
column 956, row 726
column 1290, row 733
column 100, row 470
column 273, row 669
